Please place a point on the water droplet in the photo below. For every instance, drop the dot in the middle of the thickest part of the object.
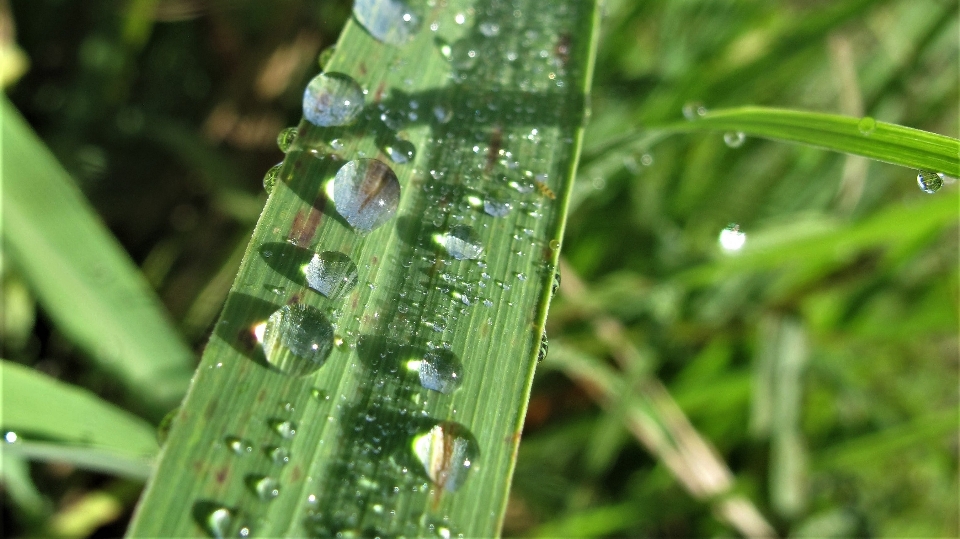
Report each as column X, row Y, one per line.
column 218, row 521
column 277, row 455
column 554, row 245
column 265, row 487
column 544, row 346
column 439, row 370
column 442, row 114
column 303, row 331
column 389, row 21
column 323, row 59
column 496, row 208
column 732, row 238
column 331, row 273
column 286, row 138
column 447, row 452
column 556, row 282
column 163, row 429
column 285, row 428
column 11, row 437
column 400, row 151
column 318, row 394
column 238, row 446
column 461, row 242
column 490, row 29
column 366, row 192
column 692, row 111
column 332, row 99
column 866, row 125
column 270, row 178
column 734, row 139
column 929, row 181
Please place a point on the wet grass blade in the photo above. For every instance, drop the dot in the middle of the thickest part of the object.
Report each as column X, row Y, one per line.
column 36, row 406
column 479, row 114
column 84, row 280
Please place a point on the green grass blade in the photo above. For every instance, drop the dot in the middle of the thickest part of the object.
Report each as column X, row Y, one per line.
column 82, row 277
column 38, row 407
column 88, row 458
column 880, row 141
column 507, row 108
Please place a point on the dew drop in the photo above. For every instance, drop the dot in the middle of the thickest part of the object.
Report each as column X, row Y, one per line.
column 554, row 245
column 692, row 111
column 238, row 446
column 265, row 487
column 496, row 208
column 332, row 99
column 447, row 452
column 216, row 521
column 270, row 178
column 285, row 428
column 331, row 273
column 366, row 192
column 318, row 394
column 732, row 238
column 301, row 330
column 323, row 59
column 461, row 242
column 929, row 181
column 389, row 21
column 163, row 429
column 400, row 151
column 734, row 139
column 278, row 455
column 286, row 138
column 866, row 125
column 490, row 29
column 439, row 370
column 544, row 347
column 11, row 437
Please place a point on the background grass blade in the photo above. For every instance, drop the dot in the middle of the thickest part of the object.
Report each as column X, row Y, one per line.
column 37, row 407
column 82, row 277
column 497, row 122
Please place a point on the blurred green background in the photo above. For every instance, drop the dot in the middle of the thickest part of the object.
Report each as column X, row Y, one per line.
column 820, row 362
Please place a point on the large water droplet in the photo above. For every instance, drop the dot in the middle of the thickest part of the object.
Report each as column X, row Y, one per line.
column 266, row 488
column 301, row 330
column 732, row 238
column 270, row 178
column 734, row 139
column 447, row 453
column 439, row 370
column 461, row 242
column 929, row 181
column 400, row 151
column 389, row 21
column 692, row 111
column 286, row 138
column 331, row 273
column 366, row 193
column 866, row 125
column 332, row 99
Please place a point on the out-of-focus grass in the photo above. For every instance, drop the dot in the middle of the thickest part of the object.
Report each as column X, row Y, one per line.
column 163, row 120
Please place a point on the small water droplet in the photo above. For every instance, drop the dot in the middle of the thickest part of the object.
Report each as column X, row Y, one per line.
column 238, row 446
column 332, row 99
column 324, row 57
column 331, row 273
column 447, row 453
column 732, row 238
column 929, row 181
column 400, row 151
column 286, row 138
column 285, row 428
column 11, row 437
column 318, row 394
column 303, row 331
column 442, row 114
column 544, row 346
column 439, row 370
column 490, row 29
column 278, row 455
column 270, row 178
column 366, row 193
column 389, row 21
column 461, row 242
column 866, row 125
column 265, row 487
column 496, row 208
column 692, row 111
column 554, row 245
column 163, row 429
column 734, row 139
